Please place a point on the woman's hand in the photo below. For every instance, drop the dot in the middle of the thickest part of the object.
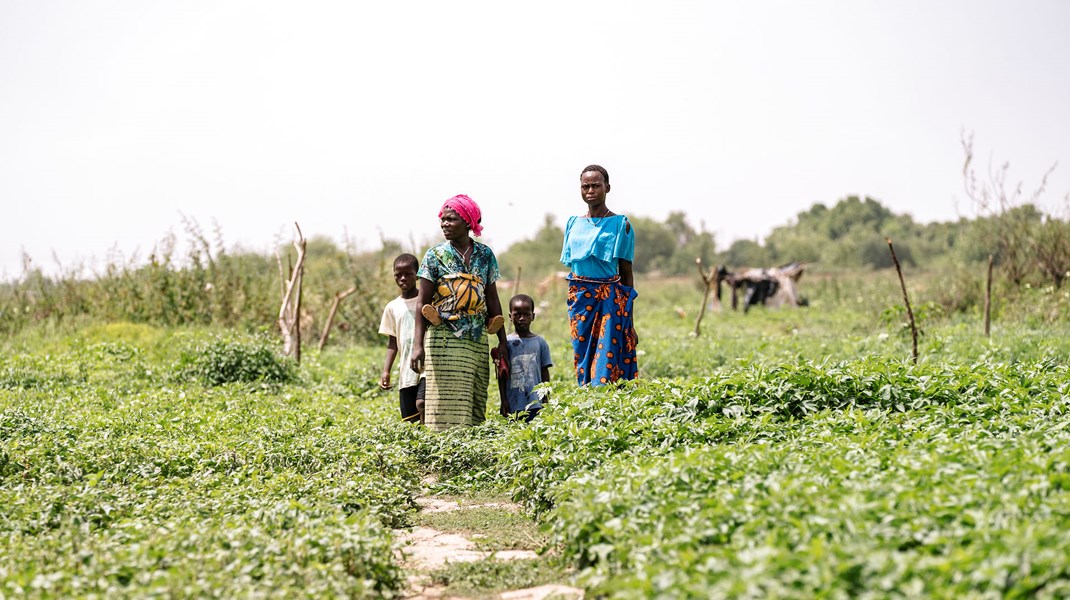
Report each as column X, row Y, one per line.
column 417, row 359
column 503, row 350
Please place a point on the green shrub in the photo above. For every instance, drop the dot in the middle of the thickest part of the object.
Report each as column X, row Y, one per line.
column 220, row 360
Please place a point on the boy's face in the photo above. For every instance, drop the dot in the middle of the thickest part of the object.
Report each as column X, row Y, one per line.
column 521, row 315
column 405, row 276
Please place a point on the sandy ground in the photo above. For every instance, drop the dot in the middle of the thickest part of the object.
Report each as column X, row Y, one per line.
column 428, row 549
column 424, row 549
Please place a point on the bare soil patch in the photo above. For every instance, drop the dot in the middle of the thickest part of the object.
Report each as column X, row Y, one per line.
column 424, row 550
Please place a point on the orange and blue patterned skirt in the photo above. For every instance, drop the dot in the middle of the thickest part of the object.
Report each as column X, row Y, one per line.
column 603, row 334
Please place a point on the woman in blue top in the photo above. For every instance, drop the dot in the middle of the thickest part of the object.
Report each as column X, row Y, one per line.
column 599, row 248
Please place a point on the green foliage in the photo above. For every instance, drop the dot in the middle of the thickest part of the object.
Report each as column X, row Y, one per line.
column 537, row 257
column 750, row 253
column 1028, row 245
column 331, row 270
column 654, row 243
column 896, row 316
column 671, row 247
column 466, row 579
column 139, row 486
column 499, row 528
column 668, row 248
column 218, row 361
column 37, row 373
column 207, row 286
column 808, row 479
column 791, row 453
column 851, row 234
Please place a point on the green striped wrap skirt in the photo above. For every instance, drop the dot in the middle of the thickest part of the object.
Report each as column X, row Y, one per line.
column 458, row 373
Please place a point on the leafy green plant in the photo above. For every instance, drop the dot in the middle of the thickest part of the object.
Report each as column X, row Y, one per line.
column 786, row 454
column 486, row 577
column 219, row 361
column 493, row 527
column 156, row 485
column 925, row 313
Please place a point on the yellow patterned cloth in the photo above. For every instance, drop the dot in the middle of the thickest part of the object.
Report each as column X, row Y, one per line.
column 459, row 294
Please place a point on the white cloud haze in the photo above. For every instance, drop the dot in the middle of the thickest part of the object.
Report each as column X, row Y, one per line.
column 118, row 117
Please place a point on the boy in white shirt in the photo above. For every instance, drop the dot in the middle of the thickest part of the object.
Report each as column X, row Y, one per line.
column 399, row 324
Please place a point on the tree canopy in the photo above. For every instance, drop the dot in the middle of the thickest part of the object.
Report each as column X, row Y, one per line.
column 852, row 233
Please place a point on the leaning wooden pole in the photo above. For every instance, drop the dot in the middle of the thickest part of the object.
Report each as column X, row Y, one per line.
column 988, row 299
column 338, row 297
column 290, row 311
column 705, row 295
column 297, row 305
column 906, row 300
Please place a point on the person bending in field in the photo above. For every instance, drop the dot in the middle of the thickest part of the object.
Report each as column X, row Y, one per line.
column 399, row 325
column 528, row 365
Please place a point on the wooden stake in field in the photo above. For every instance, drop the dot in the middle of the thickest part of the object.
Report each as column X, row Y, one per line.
column 988, row 298
column 338, row 297
column 906, row 300
column 710, row 280
column 290, row 312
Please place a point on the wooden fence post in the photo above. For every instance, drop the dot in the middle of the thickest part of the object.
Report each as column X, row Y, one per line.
column 988, row 298
column 906, row 300
column 290, row 312
column 706, row 279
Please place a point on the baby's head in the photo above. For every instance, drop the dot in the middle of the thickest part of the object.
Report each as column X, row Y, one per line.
column 405, row 267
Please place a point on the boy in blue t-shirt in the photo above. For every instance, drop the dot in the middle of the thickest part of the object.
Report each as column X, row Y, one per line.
column 529, row 362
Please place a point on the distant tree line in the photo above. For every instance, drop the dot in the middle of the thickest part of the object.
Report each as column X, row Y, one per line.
column 209, row 285
column 668, row 248
column 1025, row 243
column 851, row 234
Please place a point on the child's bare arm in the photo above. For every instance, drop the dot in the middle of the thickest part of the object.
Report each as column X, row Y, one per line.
column 391, row 353
column 494, row 308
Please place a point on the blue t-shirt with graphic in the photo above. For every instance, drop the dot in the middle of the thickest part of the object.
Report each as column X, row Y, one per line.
column 527, row 357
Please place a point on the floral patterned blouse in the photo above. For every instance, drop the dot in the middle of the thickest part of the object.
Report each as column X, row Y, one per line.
column 459, row 290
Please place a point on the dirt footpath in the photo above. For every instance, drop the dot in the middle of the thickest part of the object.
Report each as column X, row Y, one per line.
column 424, row 550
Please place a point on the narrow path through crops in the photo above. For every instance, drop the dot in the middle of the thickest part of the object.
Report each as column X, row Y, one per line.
column 423, row 550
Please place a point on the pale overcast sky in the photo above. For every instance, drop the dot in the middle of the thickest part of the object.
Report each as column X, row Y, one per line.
column 118, row 117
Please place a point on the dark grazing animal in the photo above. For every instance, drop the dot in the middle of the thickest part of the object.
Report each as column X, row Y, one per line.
column 768, row 287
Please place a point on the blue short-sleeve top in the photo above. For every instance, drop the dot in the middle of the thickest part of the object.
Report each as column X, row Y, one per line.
column 593, row 247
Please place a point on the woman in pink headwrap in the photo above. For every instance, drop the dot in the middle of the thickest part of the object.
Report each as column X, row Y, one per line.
column 460, row 307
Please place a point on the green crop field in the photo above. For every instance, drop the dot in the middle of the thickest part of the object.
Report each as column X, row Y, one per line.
column 781, row 454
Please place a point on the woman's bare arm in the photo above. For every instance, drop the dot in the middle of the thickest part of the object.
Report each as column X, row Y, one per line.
column 625, row 267
column 427, row 289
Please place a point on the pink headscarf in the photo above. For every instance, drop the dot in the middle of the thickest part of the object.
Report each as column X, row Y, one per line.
column 467, row 209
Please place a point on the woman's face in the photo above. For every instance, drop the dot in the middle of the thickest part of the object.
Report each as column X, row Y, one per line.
column 593, row 188
column 453, row 226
